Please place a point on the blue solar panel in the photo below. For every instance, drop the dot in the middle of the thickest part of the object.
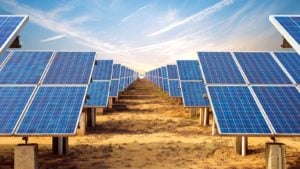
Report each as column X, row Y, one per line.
column 116, row 71
column 261, row 68
column 70, row 68
column 122, row 73
column 282, row 106
column 114, row 88
column 193, row 93
column 3, row 57
column 291, row 25
column 9, row 28
column 165, row 85
column 122, row 84
column 98, row 94
column 164, row 72
column 189, row 70
column 55, row 110
column 174, row 88
column 25, row 67
column 103, row 70
column 236, row 111
column 172, row 71
column 13, row 101
column 291, row 62
column 220, row 68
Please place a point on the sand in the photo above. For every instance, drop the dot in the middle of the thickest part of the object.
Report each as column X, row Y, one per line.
column 153, row 132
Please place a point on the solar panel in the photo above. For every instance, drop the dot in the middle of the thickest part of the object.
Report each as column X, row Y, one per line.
column 193, row 94
column 114, row 88
column 164, row 72
column 25, row 67
column 55, row 110
column 103, row 70
column 261, row 68
column 10, row 26
column 236, row 111
column 282, row 106
column 122, row 73
column 116, row 71
column 174, row 88
column 172, row 72
column 289, row 27
column 165, row 85
column 122, row 84
column 70, row 68
column 291, row 62
column 98, row 94
column 189, row 70
column 13, row 102
column 3, row 57
column 220, row 68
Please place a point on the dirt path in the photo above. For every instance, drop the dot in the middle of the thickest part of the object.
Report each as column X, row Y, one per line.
column 152, row 133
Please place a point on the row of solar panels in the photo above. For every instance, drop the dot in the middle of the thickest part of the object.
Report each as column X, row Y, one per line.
column 251, row 93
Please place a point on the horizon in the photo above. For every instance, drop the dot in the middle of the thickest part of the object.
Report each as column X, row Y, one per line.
column 146, row 34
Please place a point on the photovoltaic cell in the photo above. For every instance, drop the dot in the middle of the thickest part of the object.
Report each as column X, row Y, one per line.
column 165, row 85
column 114, row 88
column 55, row 110
column 220, row 68
column 282, row 106
column 98, row 94
column 70, row 68
column 193, row 94
column 172, row 71
column 164, row 72
column 103, row 70
column 13, row 101
column 25, row 67
column 9, row 28
column 189, row 70
column 236, row 111
column 116, row 71
column 174, row 88
column 122, row 84
column 261, row 68
column 291, row 62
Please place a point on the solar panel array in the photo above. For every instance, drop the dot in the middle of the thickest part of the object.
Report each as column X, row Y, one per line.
column 103, row 70
column 35, row 101
column 289, row 27
column 10, row 25
column 266, row 103
column 127, row 77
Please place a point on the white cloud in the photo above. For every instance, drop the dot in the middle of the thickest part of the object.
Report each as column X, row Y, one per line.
column 53, row 38
column 194, row 18
column 134, row 14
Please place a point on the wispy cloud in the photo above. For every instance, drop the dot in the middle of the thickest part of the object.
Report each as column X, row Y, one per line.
column 53, row 38
column 194, row 18
column 134, row 14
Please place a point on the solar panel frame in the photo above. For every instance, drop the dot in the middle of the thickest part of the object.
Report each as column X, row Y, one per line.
column 17, row 133
column 254, row 101
column 24, row 109
column 14, row 34
column 4, row 58
column 106, row 95
column 292, row 41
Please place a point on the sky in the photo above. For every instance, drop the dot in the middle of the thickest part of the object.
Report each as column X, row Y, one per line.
column 145, row 34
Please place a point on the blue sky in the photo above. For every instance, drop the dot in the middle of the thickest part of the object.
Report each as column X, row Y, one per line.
column 146, row 34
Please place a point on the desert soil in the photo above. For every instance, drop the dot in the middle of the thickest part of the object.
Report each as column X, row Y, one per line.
column 153, row 132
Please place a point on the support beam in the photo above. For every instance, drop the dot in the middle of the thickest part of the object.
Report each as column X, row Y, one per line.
column 201, row 117
column 60, row 145
column 93, row 117
column 241, row 145
column 110, row 103
column 275, row 156
column 214, row 130
column 82, row 124
column 26, row 156
column 206, row 117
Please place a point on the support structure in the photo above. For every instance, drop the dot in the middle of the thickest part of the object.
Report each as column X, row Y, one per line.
column 201, row 116
column 26, row 156
column 82, row 124
column 214, row 130
column 206, row 117
column 275, row 156
column 193, row 112
column 241, row 145
column 60, row 145
column 110, row 103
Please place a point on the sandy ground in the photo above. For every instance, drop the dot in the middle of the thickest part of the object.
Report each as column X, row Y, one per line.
column 153, row 132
